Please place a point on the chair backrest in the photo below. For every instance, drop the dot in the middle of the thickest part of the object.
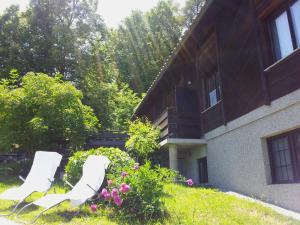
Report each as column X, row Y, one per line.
column 43, row 170
column 93, row 173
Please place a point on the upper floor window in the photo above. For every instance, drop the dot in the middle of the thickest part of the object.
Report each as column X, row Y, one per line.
column 212, row 89
column 285, row 29
column 284, row 152
column 208, row 68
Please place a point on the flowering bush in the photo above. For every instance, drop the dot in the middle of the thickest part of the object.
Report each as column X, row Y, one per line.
column 137, row 191
column 119, row 160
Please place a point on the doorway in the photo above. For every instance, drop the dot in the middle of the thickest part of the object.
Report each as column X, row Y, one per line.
column 202, row 167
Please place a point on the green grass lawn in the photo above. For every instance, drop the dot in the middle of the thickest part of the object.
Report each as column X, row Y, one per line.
column 184, row 205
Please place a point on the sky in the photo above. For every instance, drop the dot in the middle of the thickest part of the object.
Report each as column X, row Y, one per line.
column 112, row 11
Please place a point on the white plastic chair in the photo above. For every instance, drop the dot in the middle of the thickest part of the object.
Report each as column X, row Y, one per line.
column 93, row 174
column 39, row 179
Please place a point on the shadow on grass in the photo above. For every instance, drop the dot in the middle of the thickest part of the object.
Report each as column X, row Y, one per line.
column 65, row 216
column 120, row 218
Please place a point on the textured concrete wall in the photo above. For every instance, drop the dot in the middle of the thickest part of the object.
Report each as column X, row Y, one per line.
column 237, row 153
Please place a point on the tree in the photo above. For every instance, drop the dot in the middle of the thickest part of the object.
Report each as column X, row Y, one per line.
column 143, row 139
column 50, row 37
column 113, row 103
column 191, row 10
column 43, row 113
column 124, row 103
column 14, row 45
column 144, row 41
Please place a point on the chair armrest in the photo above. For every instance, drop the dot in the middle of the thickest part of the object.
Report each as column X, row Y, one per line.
column 68, row 183
column 91, row 188
column 21, row 178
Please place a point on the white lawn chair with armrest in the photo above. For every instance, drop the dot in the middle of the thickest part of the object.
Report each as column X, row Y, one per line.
column 93, row 174
column 39, row 179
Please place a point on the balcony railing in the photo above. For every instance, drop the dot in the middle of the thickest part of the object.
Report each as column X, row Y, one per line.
column 174, row 124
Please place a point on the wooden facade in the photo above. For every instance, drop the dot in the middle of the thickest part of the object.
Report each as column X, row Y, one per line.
column 229, row 39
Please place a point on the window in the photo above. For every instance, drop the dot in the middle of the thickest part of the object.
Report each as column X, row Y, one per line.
column 285, row 29
column 212, row 88
column 285, row 158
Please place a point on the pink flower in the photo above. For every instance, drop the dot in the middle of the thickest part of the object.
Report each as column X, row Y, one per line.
column 93, row 207
column 124, row 188
column 136, row 166
column 107, row 196
column 104, row 192
column 118, row 201
column 124, row 174
column 109, row 182
column 114, row 192
column 190, row 182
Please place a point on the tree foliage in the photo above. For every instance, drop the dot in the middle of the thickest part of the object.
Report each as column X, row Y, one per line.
column 144, row 41
column 42, row 113
column 50, row 37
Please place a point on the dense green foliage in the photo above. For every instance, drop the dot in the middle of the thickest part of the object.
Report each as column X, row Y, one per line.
column 41, row 112
column 113, row 103
column 143, row 42
column 143, row 139
column 119, row 160
column 50, row 37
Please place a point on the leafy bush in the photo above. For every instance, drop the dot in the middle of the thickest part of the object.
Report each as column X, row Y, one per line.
column 119, row 160
column 42, row 112
column 143, row 139
column 139, row 192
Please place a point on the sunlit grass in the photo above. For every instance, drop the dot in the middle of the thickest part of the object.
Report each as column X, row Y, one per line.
column 184, row 205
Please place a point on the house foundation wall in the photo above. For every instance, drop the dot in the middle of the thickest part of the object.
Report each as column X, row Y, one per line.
column 237, row 154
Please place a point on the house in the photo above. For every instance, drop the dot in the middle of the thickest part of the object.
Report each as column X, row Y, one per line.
column 227, row 100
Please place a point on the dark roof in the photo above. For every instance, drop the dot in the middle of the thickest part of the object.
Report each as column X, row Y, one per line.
column 175, row 52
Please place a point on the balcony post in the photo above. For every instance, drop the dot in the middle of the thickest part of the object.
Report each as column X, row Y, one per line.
column 173, row 157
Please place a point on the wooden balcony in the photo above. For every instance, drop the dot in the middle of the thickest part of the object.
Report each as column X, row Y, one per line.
column 174, row 124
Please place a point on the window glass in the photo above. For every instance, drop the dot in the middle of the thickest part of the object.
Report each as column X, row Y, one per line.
column 213, row 97
column 282, row 164
column 282, row 36
column 295, row 11
column 213, row 90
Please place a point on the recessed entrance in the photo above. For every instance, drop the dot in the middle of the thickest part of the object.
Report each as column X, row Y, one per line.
column 202, row 166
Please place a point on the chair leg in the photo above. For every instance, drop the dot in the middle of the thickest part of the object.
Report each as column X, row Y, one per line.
column 24, row 207
column 40, row 214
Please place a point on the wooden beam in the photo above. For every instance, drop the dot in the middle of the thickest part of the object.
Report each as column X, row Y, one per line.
column 264, row 82
column 220, row 75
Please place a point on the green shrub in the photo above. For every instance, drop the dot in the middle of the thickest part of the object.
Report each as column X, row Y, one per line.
column 143, row 201
column 143, row 139
column 43, row 112
column 119, row 160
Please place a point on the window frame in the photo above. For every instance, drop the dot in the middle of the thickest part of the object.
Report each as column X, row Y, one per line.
column 295, row 163
column 284, row 7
